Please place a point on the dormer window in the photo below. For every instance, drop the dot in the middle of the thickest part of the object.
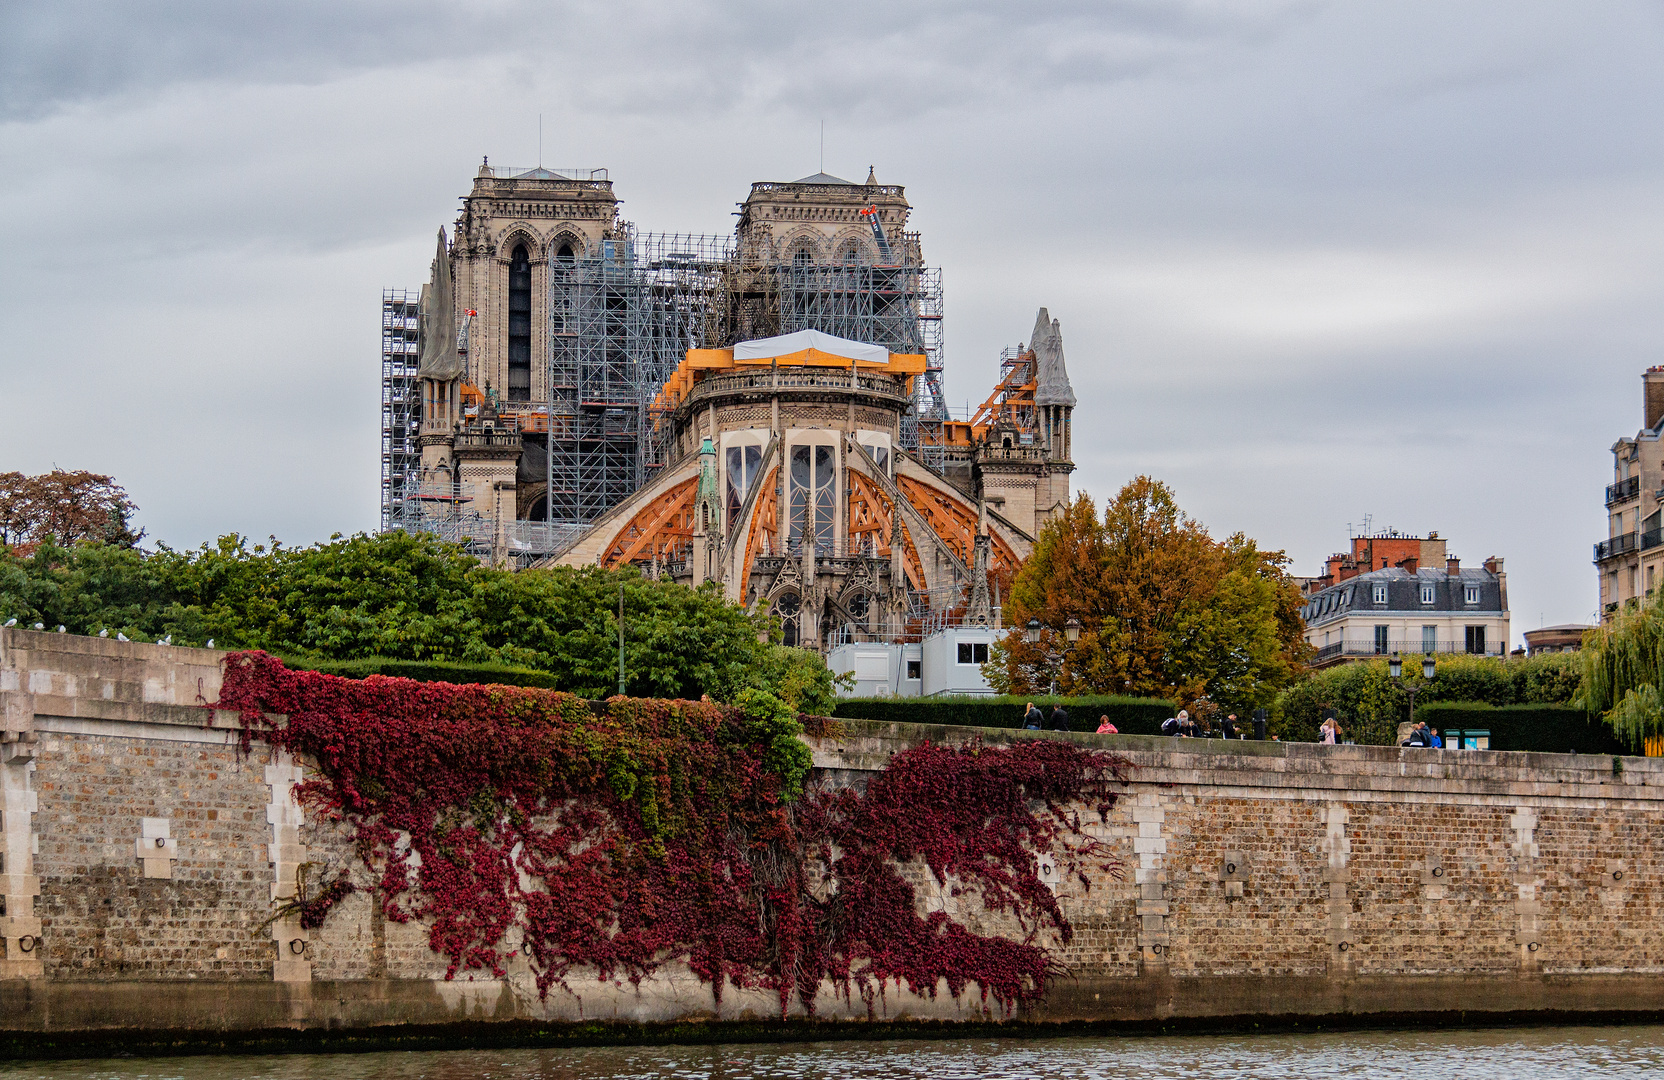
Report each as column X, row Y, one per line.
column 1380, row 593
column 1470, row 594
column 1427, row 594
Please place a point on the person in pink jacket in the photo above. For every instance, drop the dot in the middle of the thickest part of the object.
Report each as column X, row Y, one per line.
column 1105, row 727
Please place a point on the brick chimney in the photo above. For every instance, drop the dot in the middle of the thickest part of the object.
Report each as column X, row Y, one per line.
column 1453, row 566
column 1408, row 564
column 1653, row 381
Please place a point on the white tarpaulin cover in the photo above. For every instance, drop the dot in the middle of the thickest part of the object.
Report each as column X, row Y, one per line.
column 803, row 340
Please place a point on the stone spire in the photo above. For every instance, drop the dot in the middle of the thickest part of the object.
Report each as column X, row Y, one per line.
column 1052, row 385
column 439, row 356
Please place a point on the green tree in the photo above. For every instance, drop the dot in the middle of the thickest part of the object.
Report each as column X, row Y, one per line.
column 1164, row 609
column 1623, row 668
column 410, row 597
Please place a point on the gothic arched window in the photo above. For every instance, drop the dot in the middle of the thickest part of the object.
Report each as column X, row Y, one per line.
column 519, row 325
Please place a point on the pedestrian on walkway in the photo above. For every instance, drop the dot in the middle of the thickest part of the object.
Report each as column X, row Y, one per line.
column 1033, row 718
column 1105, row 727
column 1060, row 718
column 1330, row 731
column 1187, row 726
column 1229, row 725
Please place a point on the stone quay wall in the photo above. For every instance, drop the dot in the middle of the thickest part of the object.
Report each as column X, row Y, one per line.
column 141, row 854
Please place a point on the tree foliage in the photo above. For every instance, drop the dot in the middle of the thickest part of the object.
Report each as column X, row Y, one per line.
column 1623, row 669
column 413, row 598
column 1165, row 610
column 63, row 507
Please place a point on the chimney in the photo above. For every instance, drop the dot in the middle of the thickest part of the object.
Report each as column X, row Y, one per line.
column 1408, row 564
column 1453, row 566
column 1493, row 565
column 1653, row 380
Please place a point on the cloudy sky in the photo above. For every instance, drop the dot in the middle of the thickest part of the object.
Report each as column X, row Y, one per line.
column 1313, row 261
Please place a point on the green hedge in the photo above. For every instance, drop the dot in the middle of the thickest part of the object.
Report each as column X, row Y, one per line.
column 1130, row 715
column 427, row 671
column 1547, row 729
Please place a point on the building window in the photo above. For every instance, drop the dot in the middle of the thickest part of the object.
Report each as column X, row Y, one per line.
column 1470, row 594
column 743, row 462
column 1426, row 593
column 973, row 652
column 1381, row 593
column 787, row 609
column 519, row 325
column 813, row 496
column 1429, row 639
column 1476, row 640
column 1380, row 640
column 913, row 669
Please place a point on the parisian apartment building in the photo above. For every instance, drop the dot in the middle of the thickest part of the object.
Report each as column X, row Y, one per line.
column 1392, row 593
column 1629, row 559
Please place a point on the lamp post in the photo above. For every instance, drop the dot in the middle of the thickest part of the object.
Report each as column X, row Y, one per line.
column 1071, row 633
column 1395, row 669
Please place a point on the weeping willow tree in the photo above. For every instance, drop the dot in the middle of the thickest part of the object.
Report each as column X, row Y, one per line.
column 1623, row 669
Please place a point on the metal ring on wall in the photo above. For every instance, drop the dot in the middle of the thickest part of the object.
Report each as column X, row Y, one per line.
column 1343, row 946
column 1617, row 875
column 1438, row 871
column 161, row 841
column 26, row 943
column 1230, row 868
column 1533, row 947
column 1156, row 949
column 297, row 945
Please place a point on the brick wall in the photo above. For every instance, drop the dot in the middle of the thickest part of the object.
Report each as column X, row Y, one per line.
column 141, row 849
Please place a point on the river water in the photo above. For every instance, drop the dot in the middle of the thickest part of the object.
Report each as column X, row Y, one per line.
column 1505, row 1054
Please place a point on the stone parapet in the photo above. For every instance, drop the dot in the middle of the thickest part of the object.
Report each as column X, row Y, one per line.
column 150, row 867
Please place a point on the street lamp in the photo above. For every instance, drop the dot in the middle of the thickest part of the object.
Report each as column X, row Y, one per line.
column 1395, row 670
column 1071, row 630
column 1033, row 631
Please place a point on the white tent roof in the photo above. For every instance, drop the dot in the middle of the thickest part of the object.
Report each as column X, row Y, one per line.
column 788, row 344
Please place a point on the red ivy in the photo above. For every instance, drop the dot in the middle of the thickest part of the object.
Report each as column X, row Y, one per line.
column 625, row 834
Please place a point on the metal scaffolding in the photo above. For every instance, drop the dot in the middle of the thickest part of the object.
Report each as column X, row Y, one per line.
column 622, row 317
column 400, row 405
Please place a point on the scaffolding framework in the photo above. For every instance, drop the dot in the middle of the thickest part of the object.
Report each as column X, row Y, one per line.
column 621, row 318
column 400, row 403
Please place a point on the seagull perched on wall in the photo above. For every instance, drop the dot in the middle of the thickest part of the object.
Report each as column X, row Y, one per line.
column 210, row 644
column 40, row 626
column 60, row 628
column 104, row 633
column 166, row 641
column 11, row 622
column 120, row 636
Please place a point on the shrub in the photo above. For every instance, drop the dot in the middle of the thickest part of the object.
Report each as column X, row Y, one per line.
column 1543, row 729
column 1130, row 715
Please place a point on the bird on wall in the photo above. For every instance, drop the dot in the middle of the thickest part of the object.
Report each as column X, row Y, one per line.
column 60, row 628
column 120, row 636
column 104, row 633
column 166, row 641
column 11, row 622
column 210, row 644
column 40, row 626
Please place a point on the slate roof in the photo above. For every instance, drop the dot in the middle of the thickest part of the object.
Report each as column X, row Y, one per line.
column 1356, row 596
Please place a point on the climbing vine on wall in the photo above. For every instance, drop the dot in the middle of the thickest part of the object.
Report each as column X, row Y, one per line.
column 614, row 837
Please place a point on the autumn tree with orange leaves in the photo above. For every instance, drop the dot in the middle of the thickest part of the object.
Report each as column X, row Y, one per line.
column 1164, row 608
column 63, row 508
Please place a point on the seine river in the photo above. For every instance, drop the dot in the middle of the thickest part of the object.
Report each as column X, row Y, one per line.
column 1510, row 1054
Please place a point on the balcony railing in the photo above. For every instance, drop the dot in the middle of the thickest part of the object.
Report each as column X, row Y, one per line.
column 1645, row 540
column 1623, row 489
column 1402, row 646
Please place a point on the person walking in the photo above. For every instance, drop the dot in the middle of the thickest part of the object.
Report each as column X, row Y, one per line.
column 1033, row 718
column 1330, row 731
column 1259, row 725
column 1060, row 718
column 1229, row 725
column 1105, row 727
